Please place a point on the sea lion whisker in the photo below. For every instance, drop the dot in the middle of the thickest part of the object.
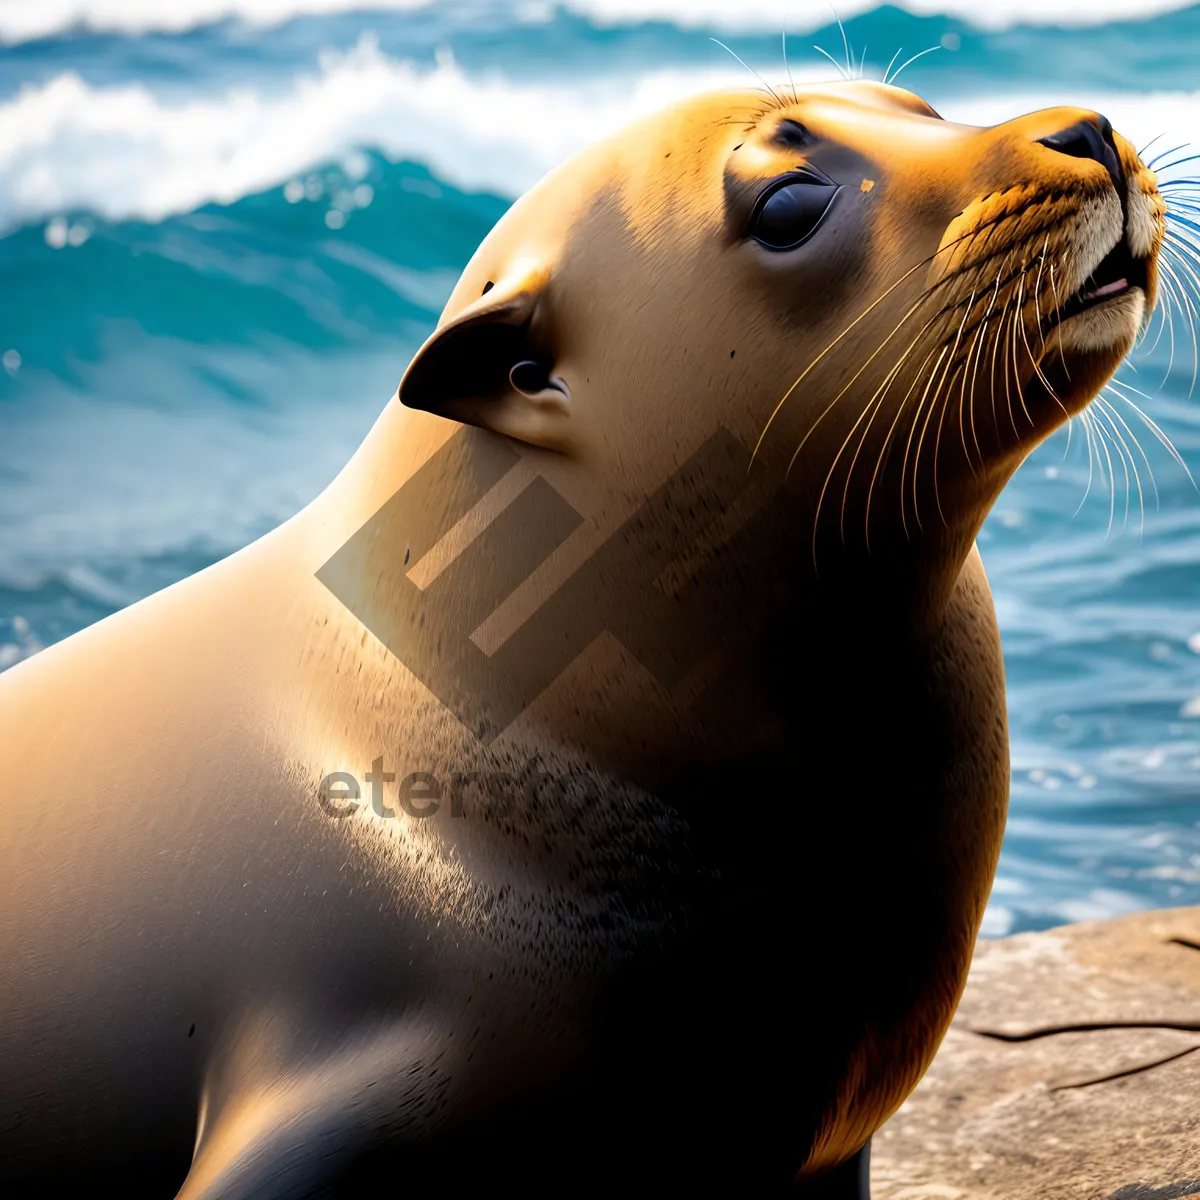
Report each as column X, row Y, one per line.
column 996, row 343
column 1175, row 202
column 921, row 299
column 1190, row 314
column 932, row 405
column 866, row 408
column 975, row 374
column 822, row 50
column 909, row 62
column 1012, row 419
column 908, row 446
column 1182, row 251
column 949, row 351
column 1162, row 153
column 1142, row 152
column 1112, row 479
column 1152, row 425
column 962, row 397
column 1062, row 354
column 1019, row 321
column 937, row 443
column 1010, row 360
column 976, row 340
column 1180, row 235
column 1162, row 324
column 1137, row 442
column 800, row 378
column 786, row 65
column 918, row 375
column 1109, row 416
column 1191, row 204
column 1033, row 360
column 1161, row 311
column 845, row 387
column 769, row 89
column 874, row 405
column 1166, row 278
column 925, row 294
column 1174, row 205
column 1179, row 162
column 1182, row 232
column 1089, row 423
column 1176, row 191
column 899, row 51
column 845, row 39
column 1122, row 450
column 973, row 268
column 1188, row 309
column 1085, row 421
column 1037, row 290
column 1180, row 247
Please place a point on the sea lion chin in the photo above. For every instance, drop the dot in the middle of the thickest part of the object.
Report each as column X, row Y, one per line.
column 603, row 780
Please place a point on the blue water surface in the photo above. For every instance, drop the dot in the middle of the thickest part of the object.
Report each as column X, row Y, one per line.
column 179, row 377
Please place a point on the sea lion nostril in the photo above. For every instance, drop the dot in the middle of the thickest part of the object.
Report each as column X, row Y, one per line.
column 1106, row 132
column 1081, row 140
column 1089, row 139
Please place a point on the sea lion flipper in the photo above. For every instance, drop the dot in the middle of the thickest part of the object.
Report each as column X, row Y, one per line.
column 273, row 1134
column 264, row 1152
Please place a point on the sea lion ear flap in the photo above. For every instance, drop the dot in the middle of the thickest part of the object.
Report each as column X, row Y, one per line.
column 488, row 367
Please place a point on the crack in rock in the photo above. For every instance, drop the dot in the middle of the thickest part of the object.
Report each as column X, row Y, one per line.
column 1031, row 1035
column 1173, row 1191
column 1158, row 1062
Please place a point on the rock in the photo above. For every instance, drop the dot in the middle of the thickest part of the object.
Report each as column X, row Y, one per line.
column 1071, row 1072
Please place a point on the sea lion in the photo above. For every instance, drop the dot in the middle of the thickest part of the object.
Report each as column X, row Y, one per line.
column 603, row 779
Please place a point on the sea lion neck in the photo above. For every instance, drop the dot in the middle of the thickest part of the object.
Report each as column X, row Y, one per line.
column 689, row 611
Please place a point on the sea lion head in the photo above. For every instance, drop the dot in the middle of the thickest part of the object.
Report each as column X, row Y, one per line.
column 885, row 308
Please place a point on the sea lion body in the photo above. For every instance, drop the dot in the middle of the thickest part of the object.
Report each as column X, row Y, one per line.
column 675, row 810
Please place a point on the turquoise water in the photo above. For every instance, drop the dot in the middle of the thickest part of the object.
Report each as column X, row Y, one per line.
column 221, row 243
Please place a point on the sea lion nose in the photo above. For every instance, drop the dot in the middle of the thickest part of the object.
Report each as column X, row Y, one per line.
column 1090, row 138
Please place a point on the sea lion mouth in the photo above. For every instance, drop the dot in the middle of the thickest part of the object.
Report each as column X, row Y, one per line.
column 1117, row 273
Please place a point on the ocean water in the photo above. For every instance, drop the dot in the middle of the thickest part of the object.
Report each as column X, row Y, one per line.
column 225, row 225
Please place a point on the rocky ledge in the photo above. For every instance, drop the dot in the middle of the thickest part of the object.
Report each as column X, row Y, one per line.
column 1071, row 1072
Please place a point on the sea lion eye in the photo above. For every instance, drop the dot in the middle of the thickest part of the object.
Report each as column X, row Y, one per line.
column 789, row 212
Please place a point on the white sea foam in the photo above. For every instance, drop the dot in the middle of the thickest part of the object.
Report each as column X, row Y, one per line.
column 21, row 20
column 813, row 14
column 24, row 19
column 123, row 151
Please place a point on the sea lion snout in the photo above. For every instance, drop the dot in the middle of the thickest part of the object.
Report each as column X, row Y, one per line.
column 1090, row 139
